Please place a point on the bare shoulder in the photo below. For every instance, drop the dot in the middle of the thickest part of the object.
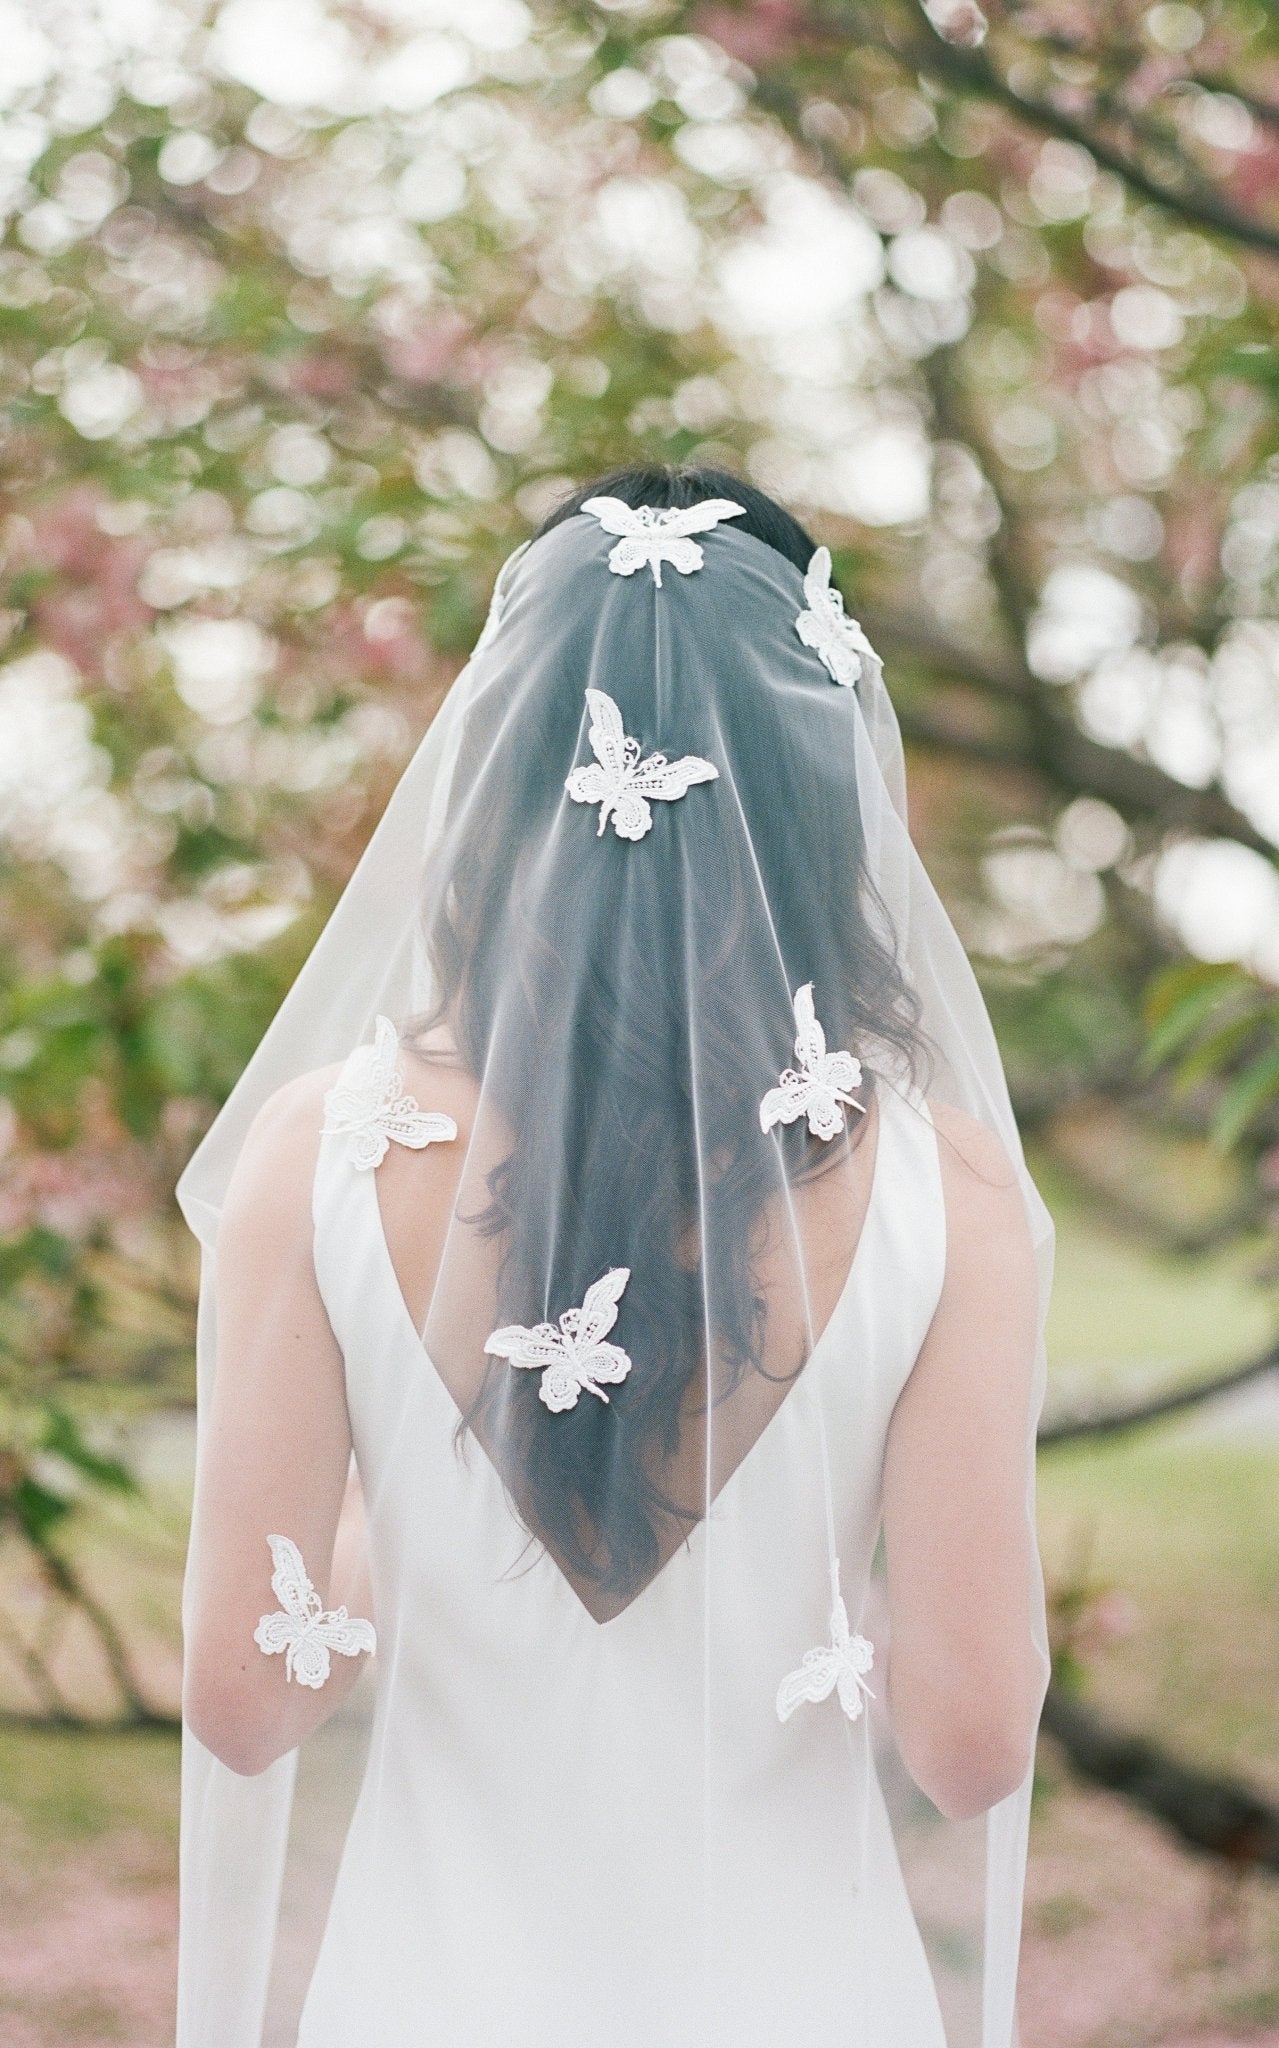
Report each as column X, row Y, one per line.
column 986, row 1215
column 273, row 1174
column 291, row 1119
column 284, row 1137
column 971, row 1148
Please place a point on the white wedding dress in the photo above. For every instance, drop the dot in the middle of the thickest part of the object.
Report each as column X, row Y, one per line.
column 584, row 1834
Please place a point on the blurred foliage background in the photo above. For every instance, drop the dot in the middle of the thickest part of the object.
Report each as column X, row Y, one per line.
column 307, row 313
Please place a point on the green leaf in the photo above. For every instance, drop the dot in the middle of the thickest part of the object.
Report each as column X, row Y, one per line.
column 1216, row 1050
column 38, row 1510
column 1255, row 363
column 1246, row 1095
column 1182, row 1001
column 61, row 1434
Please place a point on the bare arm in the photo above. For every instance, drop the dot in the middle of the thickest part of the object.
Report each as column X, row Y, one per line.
column 966, row 1678
column 276, row 1452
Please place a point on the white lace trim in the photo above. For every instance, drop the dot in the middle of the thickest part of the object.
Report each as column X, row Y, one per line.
column 620, row 782
column 836, row 639
column 840, row 1665
column 303, row 1632
column 573, row 1359
column 824, row 1083
column 370, row 1108
column 653, row 534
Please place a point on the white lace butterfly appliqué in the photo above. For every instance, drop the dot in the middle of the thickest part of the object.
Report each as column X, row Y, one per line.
column 370, row 1108
column 653, row 534
column 573, row 1358
column 303, row 1632
column 822, row 1087
column 836, row 639
column 622, row 780
column 838, row 1666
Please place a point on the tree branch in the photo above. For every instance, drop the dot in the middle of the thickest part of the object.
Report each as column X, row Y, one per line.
column 1069, row 761
column 1141, row 1225
column 1174, row 1401
column 1263, row 111
column 971, row 71
column 67, row 1581
column 1218, row 1815
column 910, row 635
column 41, row 1680
column 84, row 1724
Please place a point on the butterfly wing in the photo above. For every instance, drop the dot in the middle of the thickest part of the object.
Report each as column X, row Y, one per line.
column 290, row 1581
column 684, row 555
column 607, row 1365
column 827, row 641
column 841, row 1070
column 415, row 1127
column 634, row 552
column 352, row 1104
column 814, row 1680
column 349, row 1635
column 701, row 518
column 817, row 581
column 667, row 780
column 309, row 1663
column 590, row 785
column 632, row 816
column 614, row 516
column 841, row 662
column 347, row 1103
column 607, row 735
column 853, row 1691
column 810, row 1039
column 276, row 1634
column 825, row 1114
column 532, row 1349
column 383, row 1079
column 856, row 1658
column 599, row 1306
column 561, row 1385
column 783, row 1104
column 840, row 1632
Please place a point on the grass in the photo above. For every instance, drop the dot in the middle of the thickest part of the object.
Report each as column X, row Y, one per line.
column 68, row 1790
column 1121, row 1309
column 1187, row 1531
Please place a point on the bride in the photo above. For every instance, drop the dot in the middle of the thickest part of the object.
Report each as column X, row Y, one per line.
column 613, row 1617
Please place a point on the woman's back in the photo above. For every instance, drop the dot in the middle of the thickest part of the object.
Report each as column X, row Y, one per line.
column 520, row 1879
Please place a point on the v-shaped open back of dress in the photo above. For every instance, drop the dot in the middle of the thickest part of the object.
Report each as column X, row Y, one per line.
column 644, row 1855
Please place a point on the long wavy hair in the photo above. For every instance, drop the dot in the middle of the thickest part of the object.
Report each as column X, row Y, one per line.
column 640, row 1114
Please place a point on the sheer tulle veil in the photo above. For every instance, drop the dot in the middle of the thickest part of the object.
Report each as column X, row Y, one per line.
column 648, row 880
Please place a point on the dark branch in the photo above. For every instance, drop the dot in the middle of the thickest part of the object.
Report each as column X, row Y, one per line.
column 971, row 71
column 67, row 1581
column 71, row 1723
column 1219, row 1816
column 1174, row 1401
column 1071, row 762
column 1263, row 111
column 910, row 635
column 1110, row 1204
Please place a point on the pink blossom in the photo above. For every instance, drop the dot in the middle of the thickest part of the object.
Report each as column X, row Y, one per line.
column 759, row 34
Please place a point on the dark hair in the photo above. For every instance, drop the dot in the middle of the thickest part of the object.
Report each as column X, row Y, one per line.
column 573, row 1003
